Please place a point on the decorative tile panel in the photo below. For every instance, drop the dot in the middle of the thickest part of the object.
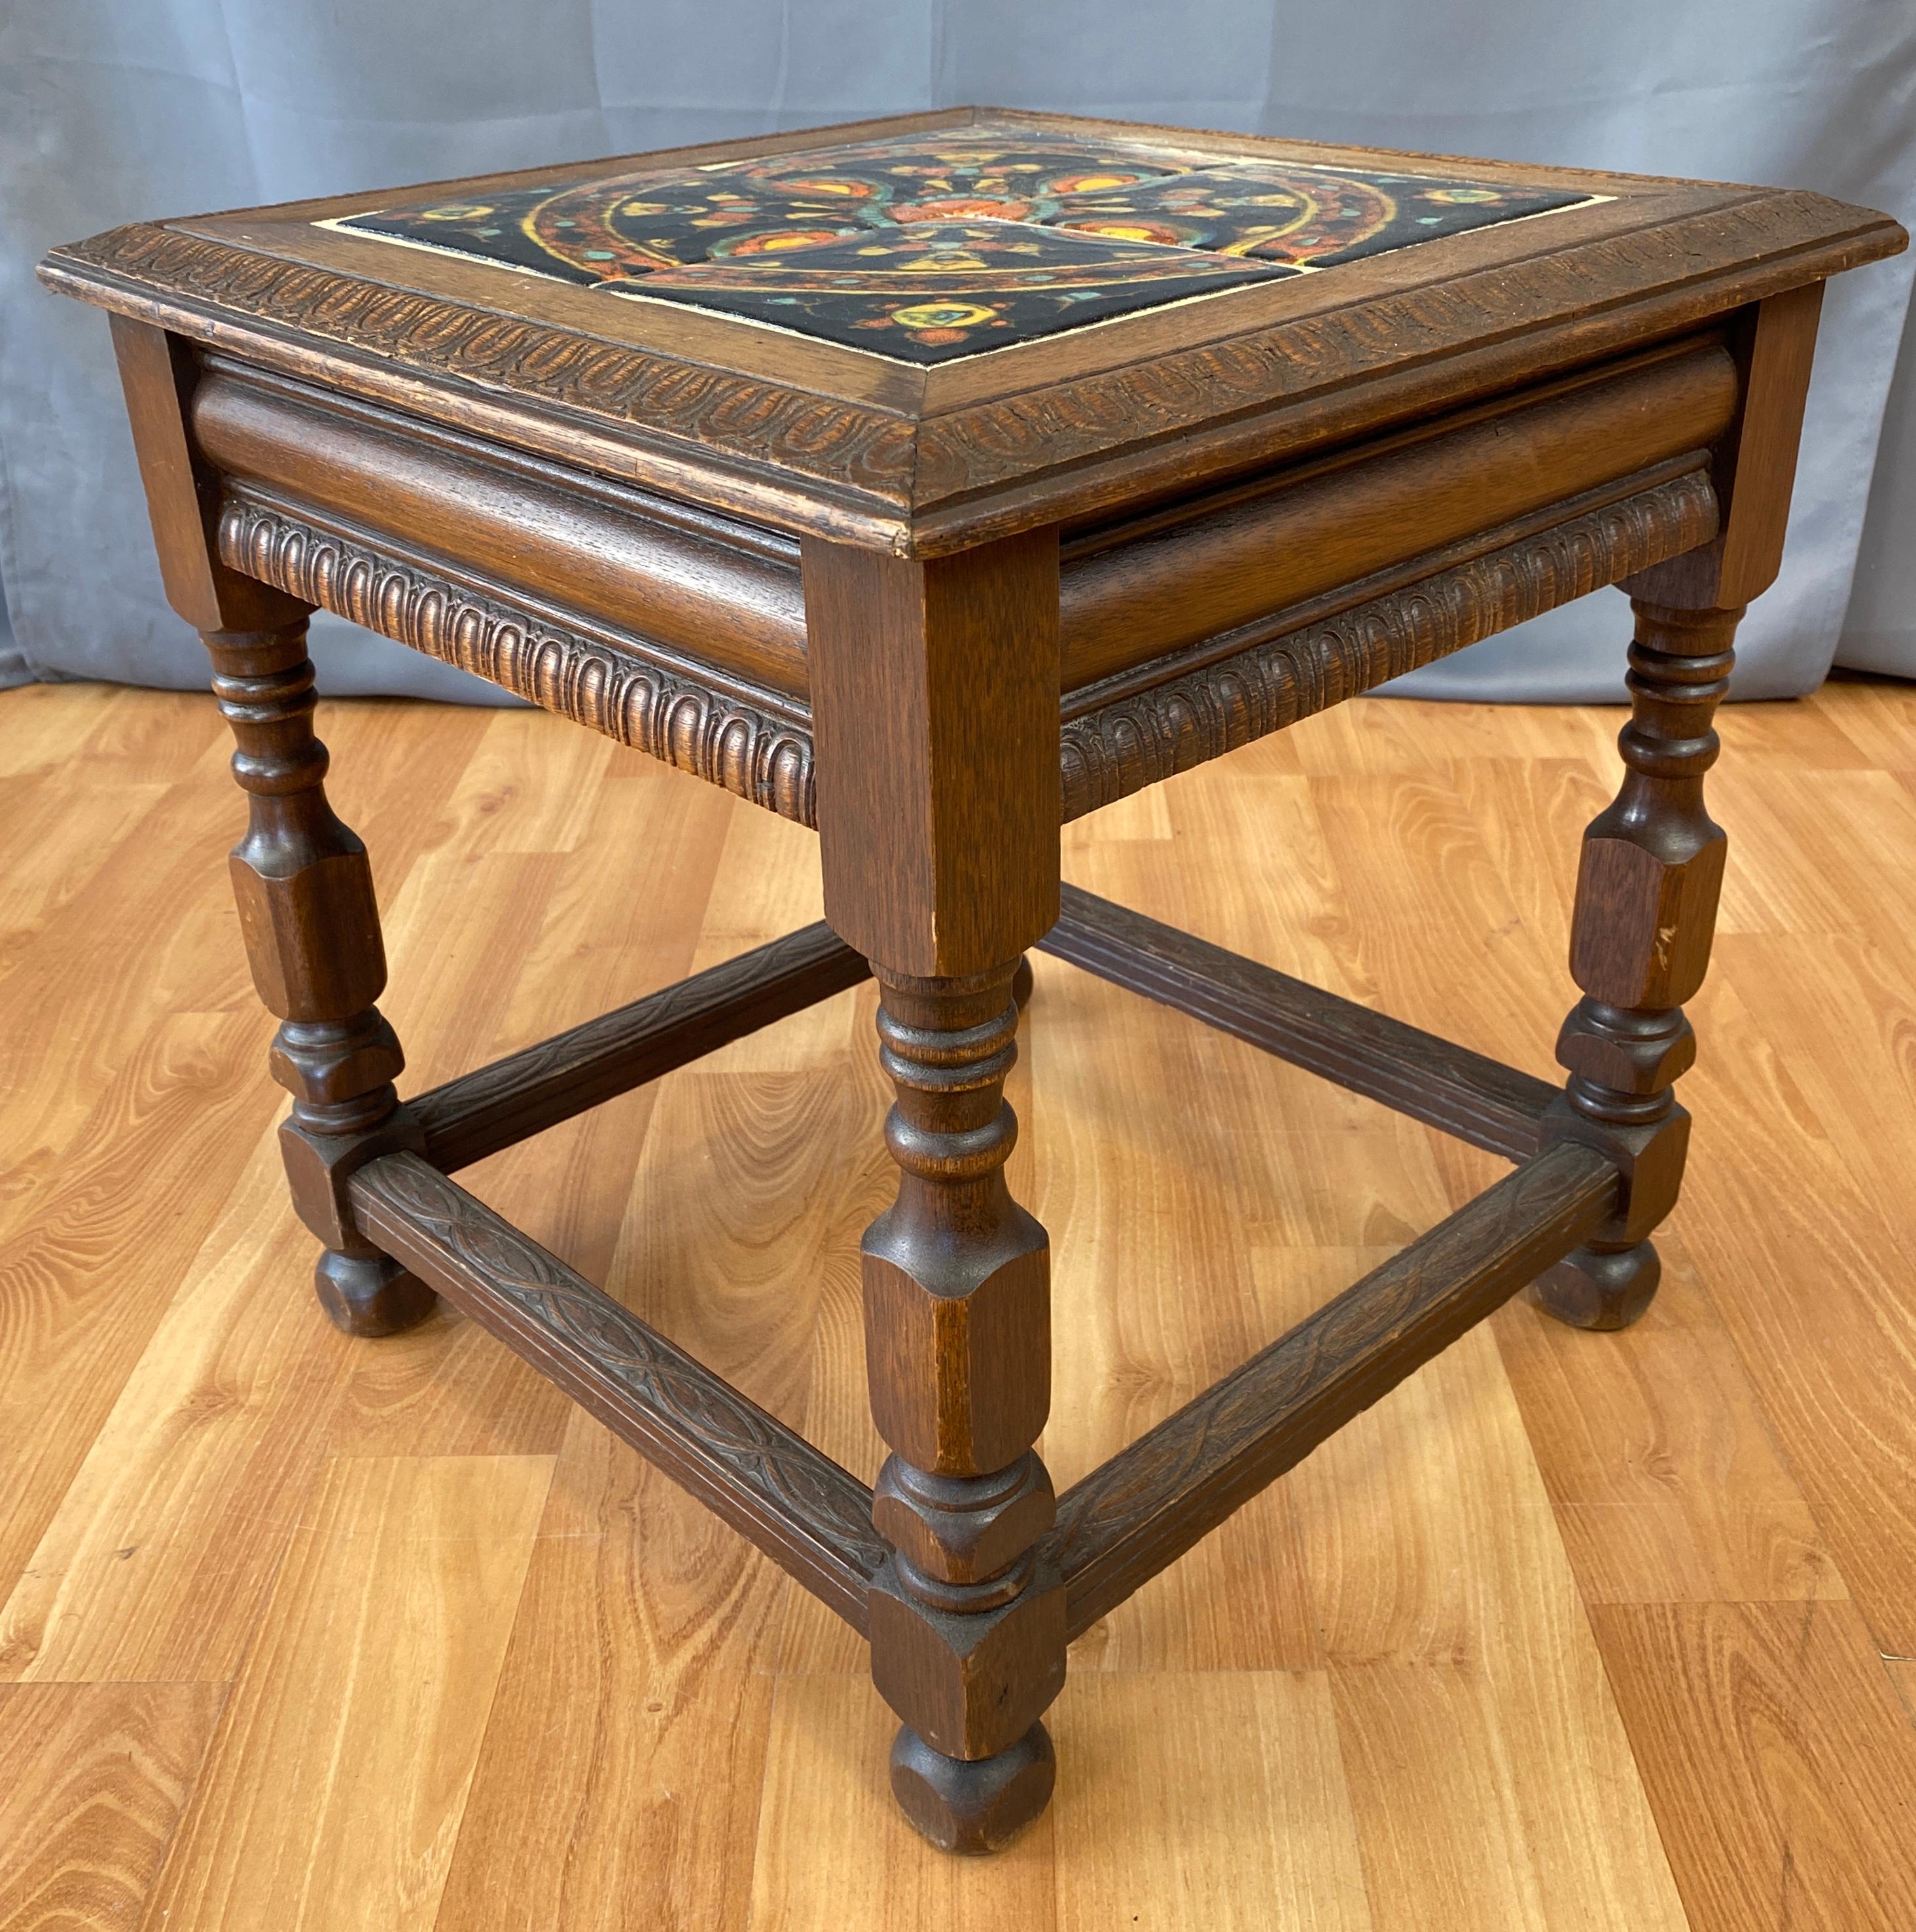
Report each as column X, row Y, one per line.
column 925, row 248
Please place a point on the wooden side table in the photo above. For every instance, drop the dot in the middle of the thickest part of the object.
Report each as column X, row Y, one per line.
column 931, row 482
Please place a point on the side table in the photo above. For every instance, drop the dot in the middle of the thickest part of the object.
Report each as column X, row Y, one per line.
column 932, row 482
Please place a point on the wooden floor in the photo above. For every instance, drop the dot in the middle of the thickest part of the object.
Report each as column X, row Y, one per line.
column 1570, row 1631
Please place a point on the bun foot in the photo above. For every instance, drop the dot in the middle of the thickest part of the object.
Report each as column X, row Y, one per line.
column 370, row 1294
column 976, row 1806
column 1600, row 1288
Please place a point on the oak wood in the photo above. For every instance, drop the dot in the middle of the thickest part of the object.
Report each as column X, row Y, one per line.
column 968, row 1618
column 1466, row 1093
column 1166, row 580
column 934, row 704
column 796, row 1504
column 303, row 887
column 1440, row 445
column 744, row 737
column 1143, row 1509
column 705, row 586
column 157, row 377
column 1122, row 734
column 478, row 1113
column 1647, row 882
column 1755, row 463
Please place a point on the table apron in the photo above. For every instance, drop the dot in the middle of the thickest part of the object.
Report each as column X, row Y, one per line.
column 688, row 588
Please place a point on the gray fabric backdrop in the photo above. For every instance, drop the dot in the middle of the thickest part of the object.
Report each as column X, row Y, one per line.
column 111, row 110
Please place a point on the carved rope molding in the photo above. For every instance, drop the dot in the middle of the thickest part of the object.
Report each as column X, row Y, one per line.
column 669, row 717
column 802, row 1484
column 1137, row 741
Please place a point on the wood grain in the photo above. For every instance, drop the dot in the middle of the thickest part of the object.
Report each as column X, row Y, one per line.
column 1468, row 1094
column 633, row 1697
column 1782, row 1711
column 1127, row 1832
column 797, row 1504
column 168, row 1534
column 372, row 1672
column 1126, row 1520
column 92, row 1780
column 478, row 1113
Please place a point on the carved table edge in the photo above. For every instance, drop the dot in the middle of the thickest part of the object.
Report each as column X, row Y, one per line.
column 853, row 460
column 920, row 485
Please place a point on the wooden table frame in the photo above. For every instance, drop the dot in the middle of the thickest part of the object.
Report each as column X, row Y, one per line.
column 935, row 616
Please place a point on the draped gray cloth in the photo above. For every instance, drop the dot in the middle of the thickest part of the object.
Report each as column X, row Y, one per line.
column 116, row 110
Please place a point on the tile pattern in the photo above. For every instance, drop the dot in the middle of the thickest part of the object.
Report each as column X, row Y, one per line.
column 928, row 246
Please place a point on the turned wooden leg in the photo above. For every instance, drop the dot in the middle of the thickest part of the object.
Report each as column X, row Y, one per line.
column 1646, row 908
column 312, row 932
column 967, row 1626
column 935, row 714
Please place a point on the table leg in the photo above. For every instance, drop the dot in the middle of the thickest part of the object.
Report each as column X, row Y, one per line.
column 935, row 714
column 968, row 1628
column 1646, row 908
column 312, row 930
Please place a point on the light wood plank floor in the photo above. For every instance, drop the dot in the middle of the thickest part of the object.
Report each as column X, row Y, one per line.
column 1570, row 1631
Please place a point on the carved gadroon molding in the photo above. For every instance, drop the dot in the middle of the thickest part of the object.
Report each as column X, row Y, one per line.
column 1138, row 740
column 1107, row 751
column 666, row 716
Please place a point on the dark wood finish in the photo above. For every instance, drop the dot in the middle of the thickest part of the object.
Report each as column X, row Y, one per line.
column 707, row 589
column 513, row 1099
column 157, row 374
column 748, row 741
column 1146, row 1506
column 704, row 594
column 300, row 876
column 977, row 1805
column 1646, row 908
column 1468, row 1094
column 312, row 932
column 807, row 1514
column 1755, row 462
column 1652, row 865
column 1179, row 576
column 967, row 1623
column 935, row 714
